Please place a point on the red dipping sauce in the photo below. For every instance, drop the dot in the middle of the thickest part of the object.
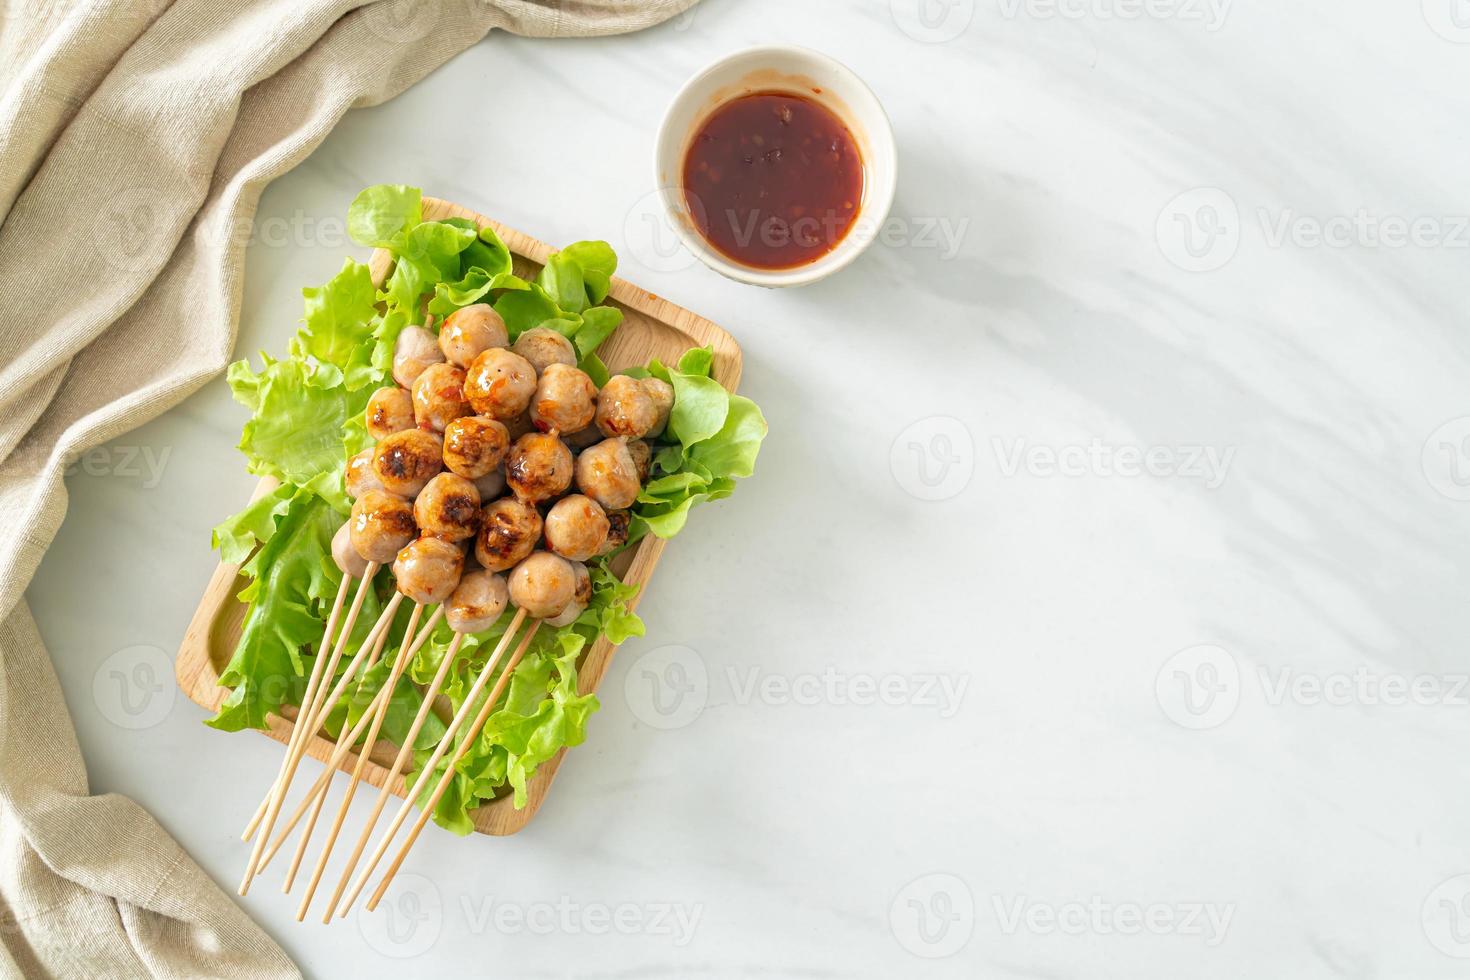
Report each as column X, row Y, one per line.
column 773, row 180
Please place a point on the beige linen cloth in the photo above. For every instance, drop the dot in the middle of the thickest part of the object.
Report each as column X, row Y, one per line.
column 135, row 139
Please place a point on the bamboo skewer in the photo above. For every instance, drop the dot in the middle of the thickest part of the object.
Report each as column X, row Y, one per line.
column 306, row 721
column 307, row 699
column 405, row 752
column 464, row 746
column 339, row 752
column 372, row 659
column 399, row 665
column 444, row 744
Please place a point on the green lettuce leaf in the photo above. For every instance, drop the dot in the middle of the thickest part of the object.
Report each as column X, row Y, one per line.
column 380, row 213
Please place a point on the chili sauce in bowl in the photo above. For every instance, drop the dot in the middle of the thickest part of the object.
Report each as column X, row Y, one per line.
column 773, row 180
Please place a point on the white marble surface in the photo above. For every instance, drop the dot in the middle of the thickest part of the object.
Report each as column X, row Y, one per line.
column 1102, row 746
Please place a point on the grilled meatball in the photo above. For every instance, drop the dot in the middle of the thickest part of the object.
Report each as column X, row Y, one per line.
column 576, row 527
column 509, row 529
column 642, row 454
column 389, row 410
column 662, row 395
column 470, row 332
column 564, row 401
column 428, row 569
column 581, row 596
column 500, row 384
column 624, row 408
column 381, row 523
column 617, row 531
column 475, row 446
column 360, row 477
column 352, row 564
column 415, row 349
column 477, row 603
column 539, row 467
column 608, row 474
column 492, row 484
column 448, row 507
column 406, row 461
column 543, row 347
column 543, row 585
column 438, row 397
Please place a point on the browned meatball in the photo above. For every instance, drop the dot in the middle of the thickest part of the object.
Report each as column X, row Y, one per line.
column 389, row 410
column 477, row 603
column 539, row 467
column 381, row 524
column 474, row 446
column 470, row 332
column 624, row 408
column 509, row 529
column 543, row 585
column 360, row 476
column 662, row 395
column 576, row 527
column 345, row 554
column 617, row 531
column 642, row 454
column 406, row 461
column 581, row 596
column 428, row 569
column 448, row 507
column 608, row 474
column 500, row 384
column 565, row 400
column 543, row 346
column 438, row 397
column 415, row 349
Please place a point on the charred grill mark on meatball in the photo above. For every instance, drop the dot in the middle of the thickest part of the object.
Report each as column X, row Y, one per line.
column 539, row 467
column 509, row 529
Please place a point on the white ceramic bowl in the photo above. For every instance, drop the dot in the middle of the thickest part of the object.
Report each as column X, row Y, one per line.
column 780, row 69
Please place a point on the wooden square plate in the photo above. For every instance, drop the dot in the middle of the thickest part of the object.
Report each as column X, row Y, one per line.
column 651, row 327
